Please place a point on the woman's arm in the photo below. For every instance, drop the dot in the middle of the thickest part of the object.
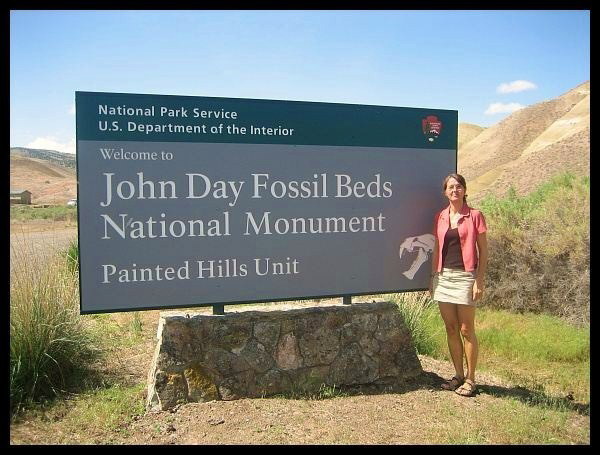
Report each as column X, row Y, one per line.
column 481, row 267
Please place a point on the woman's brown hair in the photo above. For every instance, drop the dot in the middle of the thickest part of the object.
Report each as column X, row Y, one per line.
column 460, row 179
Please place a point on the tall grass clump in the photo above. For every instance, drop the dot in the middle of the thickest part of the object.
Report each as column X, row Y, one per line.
column 50, row 347
column 539, row 247
column 136, row 324
column 72, row 255
column 415, row 308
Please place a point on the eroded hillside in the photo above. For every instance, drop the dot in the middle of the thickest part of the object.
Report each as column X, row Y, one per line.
column 530, row 146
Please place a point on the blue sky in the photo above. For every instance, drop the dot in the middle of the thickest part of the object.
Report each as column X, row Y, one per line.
column 433, row 59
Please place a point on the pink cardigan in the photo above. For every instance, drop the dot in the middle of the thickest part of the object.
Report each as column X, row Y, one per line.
column 470, row 224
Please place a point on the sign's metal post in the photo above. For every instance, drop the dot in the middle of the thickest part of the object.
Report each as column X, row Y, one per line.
column 347, row 300
column 218, row 308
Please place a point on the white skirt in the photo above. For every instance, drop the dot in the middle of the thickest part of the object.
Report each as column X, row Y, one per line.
column 454, row 286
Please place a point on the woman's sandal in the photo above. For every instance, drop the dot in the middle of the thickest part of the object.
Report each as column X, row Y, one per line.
column 467, row 389
column 452, row 384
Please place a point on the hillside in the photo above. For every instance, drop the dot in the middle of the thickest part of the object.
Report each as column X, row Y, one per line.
column 48, row 183
column 530, row 146
column 467, row 132
column 54, row 157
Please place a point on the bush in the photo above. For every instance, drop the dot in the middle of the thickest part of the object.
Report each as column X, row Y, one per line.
column 539, row 248
column 50, row 346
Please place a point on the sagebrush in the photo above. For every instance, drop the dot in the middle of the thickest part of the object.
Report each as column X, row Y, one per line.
column 539, row 250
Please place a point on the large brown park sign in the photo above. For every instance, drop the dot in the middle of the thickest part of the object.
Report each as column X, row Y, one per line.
column 195, row 201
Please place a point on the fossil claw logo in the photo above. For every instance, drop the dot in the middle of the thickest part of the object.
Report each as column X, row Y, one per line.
column 423, row 244
column 432, row 127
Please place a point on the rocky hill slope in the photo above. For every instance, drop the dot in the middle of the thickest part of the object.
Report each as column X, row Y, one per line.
column 62, row 159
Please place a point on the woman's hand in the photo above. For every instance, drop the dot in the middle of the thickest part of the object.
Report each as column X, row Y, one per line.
column 477, row 289
column 431, row 286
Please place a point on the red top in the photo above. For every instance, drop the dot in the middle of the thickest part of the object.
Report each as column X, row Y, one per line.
column 470, row 224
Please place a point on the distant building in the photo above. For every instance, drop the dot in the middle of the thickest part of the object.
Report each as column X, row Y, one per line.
column 20, row 197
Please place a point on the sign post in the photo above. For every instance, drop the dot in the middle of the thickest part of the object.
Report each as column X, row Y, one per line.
column 196, row 201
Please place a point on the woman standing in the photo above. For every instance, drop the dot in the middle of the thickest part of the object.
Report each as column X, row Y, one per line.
column 457, row 278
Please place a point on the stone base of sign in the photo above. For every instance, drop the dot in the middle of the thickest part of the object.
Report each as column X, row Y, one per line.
column 204, row 357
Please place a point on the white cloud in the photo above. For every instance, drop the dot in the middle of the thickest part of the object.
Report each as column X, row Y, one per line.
column 72, row 109
column 52, row 143
column 515, row 86
column 502, row 108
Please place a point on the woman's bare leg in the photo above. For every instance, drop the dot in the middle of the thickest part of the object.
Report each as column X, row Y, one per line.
column 466, row 320
column 449, row 314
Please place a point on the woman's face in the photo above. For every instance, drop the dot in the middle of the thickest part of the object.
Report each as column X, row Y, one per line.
column 454, row 190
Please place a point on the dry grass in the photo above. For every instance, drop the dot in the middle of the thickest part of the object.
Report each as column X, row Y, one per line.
column 50, row 347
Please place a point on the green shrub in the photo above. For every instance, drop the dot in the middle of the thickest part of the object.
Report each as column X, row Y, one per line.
column 50, row 346
column 539, row 250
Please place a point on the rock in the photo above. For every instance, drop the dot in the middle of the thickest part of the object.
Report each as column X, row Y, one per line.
column 236, row 386
column 257, row 357
column 353, row 367
column 267, row 333
column 319, row 347
column 200, row 383
column 287, row 354
column 225, row 362
column 272, row 382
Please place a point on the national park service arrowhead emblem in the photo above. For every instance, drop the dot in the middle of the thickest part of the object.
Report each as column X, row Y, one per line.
column 432, row 127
